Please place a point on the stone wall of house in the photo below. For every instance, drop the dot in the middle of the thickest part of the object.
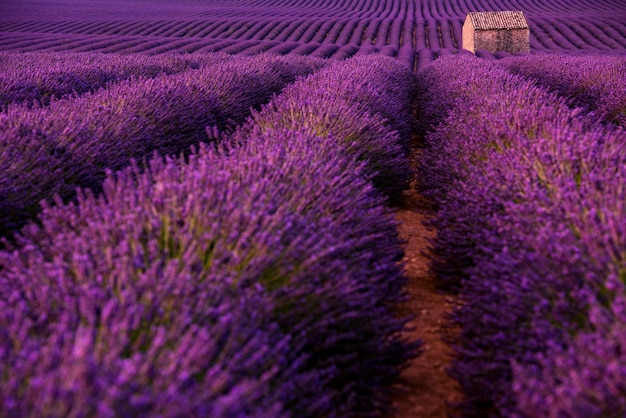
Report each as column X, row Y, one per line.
column 510, row 40
column 468, row 37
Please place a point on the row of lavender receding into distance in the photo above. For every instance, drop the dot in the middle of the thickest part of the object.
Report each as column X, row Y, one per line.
column 71, row 142
column 252, row 277
column 597, row 85
column 40, row 77
column 374, row 128
column 531, row 197
column 416, row 32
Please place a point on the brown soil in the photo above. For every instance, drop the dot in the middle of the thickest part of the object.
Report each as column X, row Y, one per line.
column 427, row 390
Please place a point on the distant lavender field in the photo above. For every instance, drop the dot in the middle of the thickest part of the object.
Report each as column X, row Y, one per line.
column 413, row 31
column 196, row 206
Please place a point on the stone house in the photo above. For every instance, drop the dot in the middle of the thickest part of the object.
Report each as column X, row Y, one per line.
column 496, row 31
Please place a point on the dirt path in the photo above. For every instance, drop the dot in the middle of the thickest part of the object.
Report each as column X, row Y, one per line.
column 427, row 387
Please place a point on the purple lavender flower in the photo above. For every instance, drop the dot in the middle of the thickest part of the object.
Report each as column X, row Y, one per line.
column 231, row 282
column 69, row 144
column 530, row 232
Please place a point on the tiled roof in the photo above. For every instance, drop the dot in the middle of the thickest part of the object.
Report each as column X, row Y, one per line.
column 498, row 20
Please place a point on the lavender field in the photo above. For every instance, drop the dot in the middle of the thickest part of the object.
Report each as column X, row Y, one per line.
column 197, row 206
column 413, row 31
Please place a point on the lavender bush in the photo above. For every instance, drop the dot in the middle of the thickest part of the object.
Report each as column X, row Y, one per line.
column 55, row 149
column 531, row 227
column 584, row 378
column 352, row 103
column 39, row 77
column 140, row 285
column 142, row 343
column 594, row 82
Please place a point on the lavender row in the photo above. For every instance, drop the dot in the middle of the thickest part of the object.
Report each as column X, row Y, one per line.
column 256, row 280
column 531, row 232
column 351, row 102
column 69, row 144
column 38, row 77
column 594, row 82
column 357, row 115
